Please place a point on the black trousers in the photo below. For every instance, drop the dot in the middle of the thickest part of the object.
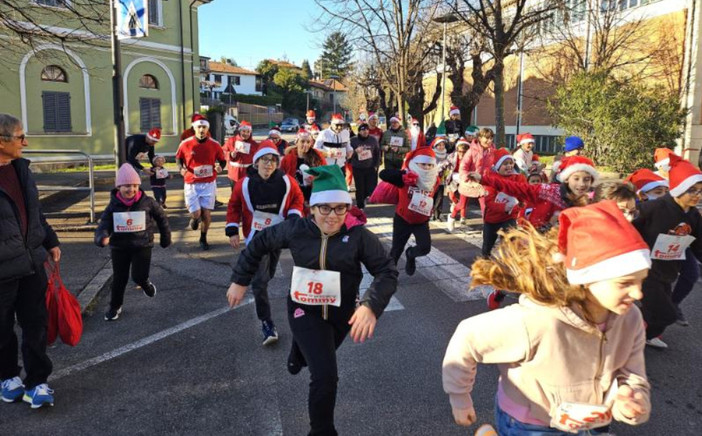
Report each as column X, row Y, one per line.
column 438, row 202
column 365, row 179
column 259, row 284
column 25, row 298
column 401, row 232
column 317, row 340
column 490, row 234
column 140, row 261
column 657, row 306
column 689, row 273
column 159, row 193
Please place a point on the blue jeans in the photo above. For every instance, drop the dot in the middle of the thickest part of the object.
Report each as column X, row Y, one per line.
column 508, row 426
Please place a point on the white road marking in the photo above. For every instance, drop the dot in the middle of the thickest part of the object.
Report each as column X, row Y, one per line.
column 143, row 342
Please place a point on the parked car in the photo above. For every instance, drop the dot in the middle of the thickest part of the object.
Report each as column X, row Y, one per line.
column 290, row 125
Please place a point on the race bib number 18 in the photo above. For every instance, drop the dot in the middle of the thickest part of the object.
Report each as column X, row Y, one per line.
column 315, row 287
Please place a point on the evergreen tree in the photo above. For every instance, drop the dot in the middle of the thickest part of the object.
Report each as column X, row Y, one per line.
column 306, row 70
column 336, row 56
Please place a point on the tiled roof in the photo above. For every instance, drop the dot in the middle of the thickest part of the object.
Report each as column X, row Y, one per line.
column 220, row 67
column 329, row 85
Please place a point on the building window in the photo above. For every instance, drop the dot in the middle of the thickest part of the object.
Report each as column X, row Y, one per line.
column 218, row 79
column 54, row 73
column 149, row 113
column 259, row 84
column 155, row 13
column 53, row 3
column 57, row 111
column 235, row 80
column 148, row 81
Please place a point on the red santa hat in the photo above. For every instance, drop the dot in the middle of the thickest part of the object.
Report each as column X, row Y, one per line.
column 683, row 175
column 572, row 164
column 265, row 147
column 313, row 129
column 414, row 121
column 337, row 119
column 154, row 135
column 302, row 133
column 275, row 130
column 394, row 118
column 645, row 180
column 454, row 110
column 436, row 141
column 199, row 120
column 311, row 114
column 422, row 155
column 661, row 157
column 599, row 243
column 535, row 158
column 245, row 125
column 501, row 155
column 525, row 139
column 372, row 115
column 463, row 141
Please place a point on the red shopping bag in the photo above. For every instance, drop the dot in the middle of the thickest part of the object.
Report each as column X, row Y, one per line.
column 52, row 311
column 69, row 320
column 385, row 193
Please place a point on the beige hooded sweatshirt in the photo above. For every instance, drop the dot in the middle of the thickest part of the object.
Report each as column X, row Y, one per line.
column 547, row 356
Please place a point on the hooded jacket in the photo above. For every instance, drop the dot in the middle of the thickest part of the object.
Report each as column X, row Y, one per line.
column 345, row 251
column 20, row 256
column 548, row 355
column 394, row 159
column 155, row 219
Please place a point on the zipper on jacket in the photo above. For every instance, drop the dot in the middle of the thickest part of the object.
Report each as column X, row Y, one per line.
column 600, row 364
column 323, row 265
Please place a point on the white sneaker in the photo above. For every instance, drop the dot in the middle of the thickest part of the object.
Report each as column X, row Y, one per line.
column 657, row 343
column 450, row 226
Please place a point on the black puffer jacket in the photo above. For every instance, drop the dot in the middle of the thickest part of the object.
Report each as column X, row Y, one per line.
column 344, row 252
column 156, row 220
column 20, row 257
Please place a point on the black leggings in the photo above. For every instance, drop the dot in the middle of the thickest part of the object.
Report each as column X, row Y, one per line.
column 401, row 232
column 438, row 202
column 365, row 179
column 657, row 306
column 140, row 261
column 317, row 339
column 259, row 284
column 490, row 234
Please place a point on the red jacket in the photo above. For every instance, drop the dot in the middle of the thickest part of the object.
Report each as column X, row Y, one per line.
column 237, row 160
column 544, row 199
column 499, row 206
column 289, row 163
column 405, row 197
column 477, row 159
column 241, row 210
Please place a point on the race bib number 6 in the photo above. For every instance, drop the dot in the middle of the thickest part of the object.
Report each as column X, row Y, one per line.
column 315, row 287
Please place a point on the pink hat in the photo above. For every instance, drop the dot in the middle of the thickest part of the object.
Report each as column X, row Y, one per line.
column 154, row 135
column 683, row 175
column 600, row 244
column 127, row 175
column 264, row 148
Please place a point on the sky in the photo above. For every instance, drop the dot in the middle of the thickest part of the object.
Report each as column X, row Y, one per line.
column 249, row 31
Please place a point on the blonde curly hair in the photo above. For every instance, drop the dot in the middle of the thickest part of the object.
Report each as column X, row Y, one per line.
column 528, row 262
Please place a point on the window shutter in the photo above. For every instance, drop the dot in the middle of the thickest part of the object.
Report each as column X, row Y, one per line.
column 63, row 112
column 149, row 113
column 153, row 13
column 49, row 105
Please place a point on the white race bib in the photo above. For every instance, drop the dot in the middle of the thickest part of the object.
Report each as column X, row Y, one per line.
column 335, row 153
column 421, row 202
column 203, row 171
column 262, row 220
column 671, row 247
column 453, row 137
column 315, row 287
column 129, row 222
column 509, row 202
column 161, row 173
column 396, row 141
column 576, row 417
column 242, row 147
column 364, row 153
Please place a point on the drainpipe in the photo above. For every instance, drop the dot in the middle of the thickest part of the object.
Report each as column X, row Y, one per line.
column 192, row 51
column 182, row 66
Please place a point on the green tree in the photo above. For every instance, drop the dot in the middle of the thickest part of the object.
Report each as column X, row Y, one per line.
column 267, row 70
column 336, row 56
column 306, row 70
column 621, row 122
column 291, row 85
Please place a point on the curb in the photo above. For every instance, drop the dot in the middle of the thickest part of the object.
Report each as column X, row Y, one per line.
column 96, row 285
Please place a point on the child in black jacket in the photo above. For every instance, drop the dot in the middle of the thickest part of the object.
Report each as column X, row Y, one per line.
column 128, row 225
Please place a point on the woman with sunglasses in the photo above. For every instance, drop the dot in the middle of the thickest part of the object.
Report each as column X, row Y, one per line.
column 265, row 197
column 328, row 249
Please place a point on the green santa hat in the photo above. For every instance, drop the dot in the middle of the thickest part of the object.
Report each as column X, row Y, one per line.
column 329, row 186
column 441, row 130
column 472, row 130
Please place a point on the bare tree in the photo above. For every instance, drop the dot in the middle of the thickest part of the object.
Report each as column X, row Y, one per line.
column 394, row 33
column 506, row 26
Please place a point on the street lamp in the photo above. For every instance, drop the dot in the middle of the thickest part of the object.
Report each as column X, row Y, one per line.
column 445, row 19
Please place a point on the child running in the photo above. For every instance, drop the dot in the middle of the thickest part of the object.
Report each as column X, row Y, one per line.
column 128, row 225
column 459, row 203
column 159, row 175
column 570, row 353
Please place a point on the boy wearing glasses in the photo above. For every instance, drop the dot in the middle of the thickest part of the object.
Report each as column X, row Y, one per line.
column 669, row 225
column 264, row 198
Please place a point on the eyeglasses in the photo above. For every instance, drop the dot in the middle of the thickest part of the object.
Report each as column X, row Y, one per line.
column 325, row 209
column 269, row 160
column 21, row 137
column 694, row 192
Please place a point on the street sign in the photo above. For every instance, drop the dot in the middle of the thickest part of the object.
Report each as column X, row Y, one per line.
column 132, row 19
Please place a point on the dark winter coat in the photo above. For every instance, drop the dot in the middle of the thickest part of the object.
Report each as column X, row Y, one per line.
column 156, row 220
column 344, row 252
column 20, row 256
column 137, row 144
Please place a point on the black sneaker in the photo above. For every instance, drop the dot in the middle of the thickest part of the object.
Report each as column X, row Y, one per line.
column 163, row 205
column 410, row 264
column 218, row 203
column 295, row 360
column 204, row 245
column 194, row 223
column 680, row 317
column 149, row 290
column 270, row 334
column 112, row 314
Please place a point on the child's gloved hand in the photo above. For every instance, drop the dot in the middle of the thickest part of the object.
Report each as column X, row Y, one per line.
column 165, row 241
column 409, row 178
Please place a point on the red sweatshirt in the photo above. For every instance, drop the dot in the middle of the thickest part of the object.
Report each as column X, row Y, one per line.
column 499, row 206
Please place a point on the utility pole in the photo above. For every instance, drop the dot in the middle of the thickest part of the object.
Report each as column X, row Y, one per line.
column 117, row 91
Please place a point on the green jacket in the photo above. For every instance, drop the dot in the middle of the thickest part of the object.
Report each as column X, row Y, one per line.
column 394, row 159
